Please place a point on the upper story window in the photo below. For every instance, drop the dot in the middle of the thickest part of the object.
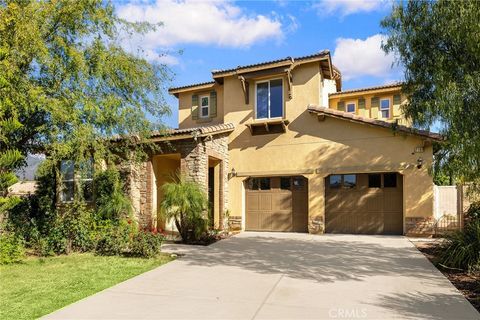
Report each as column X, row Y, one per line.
column 204, row 106
column 351, row 107
column 269, row 99
column 385, row 108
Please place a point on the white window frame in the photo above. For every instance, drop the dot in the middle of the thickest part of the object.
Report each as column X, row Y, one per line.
column 354, row 107
column 389, row 108
column 202, row 107
column 268, row 107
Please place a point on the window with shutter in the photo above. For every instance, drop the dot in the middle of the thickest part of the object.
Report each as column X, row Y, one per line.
column 374, row 104
column 213, row 104
column 341, row 106
column 194, row 107
column 396, row 105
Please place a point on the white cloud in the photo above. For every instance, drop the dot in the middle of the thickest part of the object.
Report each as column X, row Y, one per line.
column 347, row 7
column 356, row 58
column 218, row 23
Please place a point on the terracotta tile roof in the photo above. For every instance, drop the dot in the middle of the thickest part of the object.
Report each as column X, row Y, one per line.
column 374, row 122
column 223, row 127
column 201, row 131
column 387, row 86
column 200, row 84
column 287, row 59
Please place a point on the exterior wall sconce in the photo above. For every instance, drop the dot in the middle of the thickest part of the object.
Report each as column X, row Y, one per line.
column 232, row 173
column 419, row 163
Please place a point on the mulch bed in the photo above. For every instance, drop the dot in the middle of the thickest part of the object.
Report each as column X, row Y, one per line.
column 466, row 283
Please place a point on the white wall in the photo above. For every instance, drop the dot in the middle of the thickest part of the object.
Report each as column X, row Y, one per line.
column 444, row 201
column 329, row 86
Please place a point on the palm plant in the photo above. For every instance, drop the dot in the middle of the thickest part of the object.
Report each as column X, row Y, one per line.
column 186, row 203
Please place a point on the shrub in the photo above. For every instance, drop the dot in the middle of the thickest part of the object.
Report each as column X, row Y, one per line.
column 473, row 212
column 114, row 238
column 185, row 203
column 11, row 248
column 461, row 249
column 111, row 202
column 78, row 226
column 146, row 244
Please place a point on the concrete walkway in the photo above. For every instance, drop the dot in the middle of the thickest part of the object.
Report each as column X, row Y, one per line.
column 284, row 276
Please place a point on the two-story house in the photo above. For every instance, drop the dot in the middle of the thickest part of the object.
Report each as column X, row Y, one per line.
column 279, row 146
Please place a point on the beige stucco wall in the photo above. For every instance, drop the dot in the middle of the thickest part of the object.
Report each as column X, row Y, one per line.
column 185, row 107
column 315, row 148
column 369, row 112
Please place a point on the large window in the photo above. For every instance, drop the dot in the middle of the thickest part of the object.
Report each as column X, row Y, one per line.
column 385, row 108
column 76, row 178
column 269, row 102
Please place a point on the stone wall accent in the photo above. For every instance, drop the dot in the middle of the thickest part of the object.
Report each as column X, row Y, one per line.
column 419, row 226
column 235, row 223
column 137, row 185
column 194, row 155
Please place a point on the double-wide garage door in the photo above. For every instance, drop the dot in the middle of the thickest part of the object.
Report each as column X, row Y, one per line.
column 277, row 204
column 364, row 203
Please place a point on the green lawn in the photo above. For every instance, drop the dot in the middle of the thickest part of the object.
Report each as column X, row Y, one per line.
column 39, row 286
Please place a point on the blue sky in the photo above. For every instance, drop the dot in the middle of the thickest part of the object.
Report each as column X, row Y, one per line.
column 224, row 34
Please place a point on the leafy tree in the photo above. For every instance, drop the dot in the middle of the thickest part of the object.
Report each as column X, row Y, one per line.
column 438, row 44
column 66, row 83
column 185, row 203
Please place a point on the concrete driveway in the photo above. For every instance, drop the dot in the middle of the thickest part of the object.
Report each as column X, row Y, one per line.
column 284, row 276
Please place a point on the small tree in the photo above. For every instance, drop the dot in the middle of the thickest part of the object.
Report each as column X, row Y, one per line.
column 186, row 203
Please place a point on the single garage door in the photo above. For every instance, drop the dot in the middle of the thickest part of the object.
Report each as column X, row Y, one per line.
column 364, row 203
column 277, row 204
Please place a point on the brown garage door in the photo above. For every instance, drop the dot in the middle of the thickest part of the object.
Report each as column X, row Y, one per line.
column 277, row 204
column 364, row 203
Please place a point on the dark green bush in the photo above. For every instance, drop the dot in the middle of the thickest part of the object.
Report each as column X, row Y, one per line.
column 78, row 227
column 111, row 202
column 114, row 238
column 473, row 212
column 461, row 249
column 146, row 244
column 11, row 248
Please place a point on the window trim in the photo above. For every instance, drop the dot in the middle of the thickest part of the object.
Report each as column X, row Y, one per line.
column 202, row 107
column 389, row 108
column 354, row 107
column 268, row 107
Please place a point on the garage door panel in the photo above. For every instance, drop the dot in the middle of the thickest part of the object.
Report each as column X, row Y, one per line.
column 273, row 208
column 252, row 202
column 364, row 209
column 392, row 201
column 264, row 221
column 251, row 220
column 281, row 221
column 340, row 222
column 265, row 201
column 369, row 223
column 393, row 222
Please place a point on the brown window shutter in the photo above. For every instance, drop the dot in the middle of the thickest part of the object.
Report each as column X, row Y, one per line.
column 375, row 102
column 341, row 106
column 195, row 108
column 213, row 104
column 361, row 103
column 396, row 99
column 374, row 105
